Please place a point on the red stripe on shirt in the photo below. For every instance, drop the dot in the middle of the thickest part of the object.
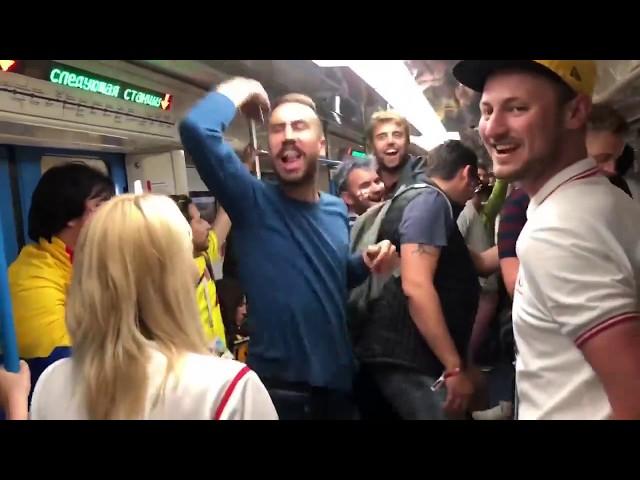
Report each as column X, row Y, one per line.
column 229, row 391
column 605, row 325
column 586, row 174
column 69, row 252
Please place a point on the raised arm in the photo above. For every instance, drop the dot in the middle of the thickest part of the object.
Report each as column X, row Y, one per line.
column 202, row 134
column 221, row 227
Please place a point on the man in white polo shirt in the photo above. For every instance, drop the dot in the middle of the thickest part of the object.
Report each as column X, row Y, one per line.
column 575, row 310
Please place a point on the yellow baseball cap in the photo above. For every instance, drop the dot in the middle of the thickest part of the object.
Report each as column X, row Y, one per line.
column 579, row 75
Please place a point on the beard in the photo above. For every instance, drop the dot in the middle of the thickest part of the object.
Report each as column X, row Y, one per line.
column 384, row 168
column 308, row 175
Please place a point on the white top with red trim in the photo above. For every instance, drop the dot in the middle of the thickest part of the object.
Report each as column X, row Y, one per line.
column 579, row 275
column 203, row 387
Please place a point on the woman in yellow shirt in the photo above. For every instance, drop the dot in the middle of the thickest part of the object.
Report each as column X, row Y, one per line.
column 206, row 241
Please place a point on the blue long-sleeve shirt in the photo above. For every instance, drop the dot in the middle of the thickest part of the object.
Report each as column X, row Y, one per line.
column 293, row 259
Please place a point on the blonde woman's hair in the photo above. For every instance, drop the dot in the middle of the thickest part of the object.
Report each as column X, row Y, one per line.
column 133, row 287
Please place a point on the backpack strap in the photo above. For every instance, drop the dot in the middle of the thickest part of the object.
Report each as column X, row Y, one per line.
column 365, row 229
column 421, row 186
column 230, row 389
column 390, row 224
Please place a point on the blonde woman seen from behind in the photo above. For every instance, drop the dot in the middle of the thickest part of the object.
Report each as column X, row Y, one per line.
column 138, row 349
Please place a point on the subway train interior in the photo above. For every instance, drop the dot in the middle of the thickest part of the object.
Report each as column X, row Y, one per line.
column 121, row 117
column 46, row 119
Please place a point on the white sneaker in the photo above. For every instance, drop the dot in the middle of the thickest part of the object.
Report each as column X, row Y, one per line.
column 502, row 411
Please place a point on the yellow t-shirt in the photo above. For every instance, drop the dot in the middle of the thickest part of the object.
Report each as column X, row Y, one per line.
column 38, row 282
column 208, row 304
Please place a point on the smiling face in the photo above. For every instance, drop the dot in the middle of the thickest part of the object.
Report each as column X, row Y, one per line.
column 364, row 189
column 521, row 124
column 390, row 143
column 295, row 142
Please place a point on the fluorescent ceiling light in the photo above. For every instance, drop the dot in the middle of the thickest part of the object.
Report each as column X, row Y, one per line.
column 393, row 81
column 331, row 63
column 423, row 142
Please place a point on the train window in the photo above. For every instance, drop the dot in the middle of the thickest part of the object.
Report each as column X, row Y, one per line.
column 49, row 161
column 206, row 204
column 338, row 146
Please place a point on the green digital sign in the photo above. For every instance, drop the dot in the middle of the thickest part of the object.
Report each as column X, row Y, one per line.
column 358, row 154
column 90, row 82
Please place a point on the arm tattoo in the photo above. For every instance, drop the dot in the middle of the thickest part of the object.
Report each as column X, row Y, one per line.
column 425, row 250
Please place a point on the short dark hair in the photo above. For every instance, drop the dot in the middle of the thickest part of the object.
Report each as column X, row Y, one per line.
column 446, row 160
column 183, row 202
column 61, row 196
column 605, row 118
column 471, row 138
column 348, row 165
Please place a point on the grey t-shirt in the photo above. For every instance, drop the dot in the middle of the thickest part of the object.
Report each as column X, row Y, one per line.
column 476, row 236
column 427, row 220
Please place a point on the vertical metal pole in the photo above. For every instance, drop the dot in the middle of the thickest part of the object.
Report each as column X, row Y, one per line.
column 254, row 143
column 7, row 330
column 325, row 128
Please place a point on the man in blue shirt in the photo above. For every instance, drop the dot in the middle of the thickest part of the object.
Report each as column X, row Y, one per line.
column 292, row 245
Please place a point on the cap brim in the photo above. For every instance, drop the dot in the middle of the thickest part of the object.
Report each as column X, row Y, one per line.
column 474, row 73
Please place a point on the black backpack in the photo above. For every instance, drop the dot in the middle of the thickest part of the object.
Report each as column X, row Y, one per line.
column 380, row 223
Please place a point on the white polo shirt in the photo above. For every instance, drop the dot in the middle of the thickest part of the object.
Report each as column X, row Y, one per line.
column 203, row 387
column 579, row 275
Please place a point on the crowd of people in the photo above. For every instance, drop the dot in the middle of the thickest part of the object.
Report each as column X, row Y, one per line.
column 393, row 300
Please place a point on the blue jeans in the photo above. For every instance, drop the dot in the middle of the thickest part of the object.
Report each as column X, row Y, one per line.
column 294, row 401
column 409, row 392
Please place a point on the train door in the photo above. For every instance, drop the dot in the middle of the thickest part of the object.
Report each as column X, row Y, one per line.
column 7, row 211
column 21, row 168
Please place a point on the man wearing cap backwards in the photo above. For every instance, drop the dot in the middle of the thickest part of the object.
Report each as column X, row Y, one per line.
column 575, row 309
